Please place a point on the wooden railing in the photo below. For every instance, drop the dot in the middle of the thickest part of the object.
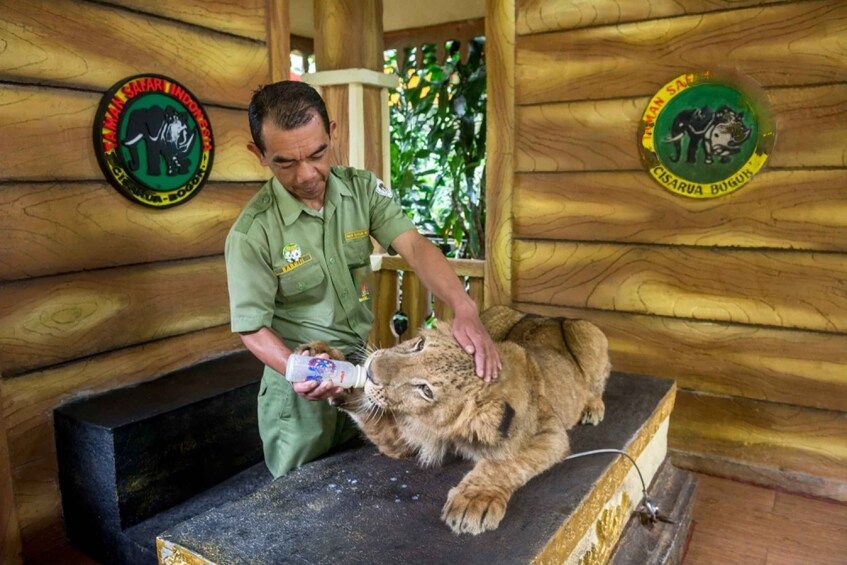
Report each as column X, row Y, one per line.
column 398, row 289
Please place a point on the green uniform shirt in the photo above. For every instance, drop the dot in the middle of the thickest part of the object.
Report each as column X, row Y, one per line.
column 305, row 273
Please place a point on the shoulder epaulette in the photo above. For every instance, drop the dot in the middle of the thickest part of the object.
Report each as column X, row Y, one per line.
column 257, row 206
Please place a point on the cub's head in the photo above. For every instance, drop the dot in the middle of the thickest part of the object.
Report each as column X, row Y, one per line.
column 429, row 377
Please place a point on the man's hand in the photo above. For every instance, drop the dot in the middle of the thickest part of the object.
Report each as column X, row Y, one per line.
column 312, row 390
column 472, row 335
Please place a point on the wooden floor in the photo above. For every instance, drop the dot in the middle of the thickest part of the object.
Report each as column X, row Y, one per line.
column 740, row 524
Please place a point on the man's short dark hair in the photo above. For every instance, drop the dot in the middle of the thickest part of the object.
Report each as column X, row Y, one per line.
column 290, row 104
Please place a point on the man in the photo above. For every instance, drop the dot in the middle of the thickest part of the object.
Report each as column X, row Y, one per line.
column 297, row 263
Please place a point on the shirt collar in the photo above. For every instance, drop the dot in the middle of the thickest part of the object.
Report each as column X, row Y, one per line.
column 290, row 207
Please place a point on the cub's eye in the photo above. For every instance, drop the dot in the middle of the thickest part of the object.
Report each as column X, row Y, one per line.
column 425, row 391
column 418, row 346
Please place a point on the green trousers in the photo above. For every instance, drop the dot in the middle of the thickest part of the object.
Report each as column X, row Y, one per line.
column 294, row 430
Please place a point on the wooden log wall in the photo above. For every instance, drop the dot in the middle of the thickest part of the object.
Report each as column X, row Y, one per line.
column 741, row 299
column 98, row 292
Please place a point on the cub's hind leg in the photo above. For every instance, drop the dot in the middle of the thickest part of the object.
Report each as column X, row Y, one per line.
column 589, row 349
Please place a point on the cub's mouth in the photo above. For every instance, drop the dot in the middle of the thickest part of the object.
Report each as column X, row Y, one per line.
column 373, row 392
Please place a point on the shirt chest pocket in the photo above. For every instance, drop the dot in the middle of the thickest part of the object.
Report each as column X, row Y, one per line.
column 357, row 252
column 303, row 283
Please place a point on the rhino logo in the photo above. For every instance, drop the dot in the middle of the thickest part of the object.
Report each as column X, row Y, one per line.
column 167, row 135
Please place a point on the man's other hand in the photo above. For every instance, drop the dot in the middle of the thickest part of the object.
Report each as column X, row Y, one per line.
column 472, row 335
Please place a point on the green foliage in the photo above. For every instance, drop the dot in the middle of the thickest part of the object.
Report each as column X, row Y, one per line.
column 438, row 144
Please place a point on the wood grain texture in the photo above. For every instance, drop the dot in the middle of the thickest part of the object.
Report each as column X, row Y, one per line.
column 771, row 288
column 45, row 134
column 462, row 267
column 10, row 535
column 384, row 306
column 464, row 31
column 764, row 434
column 51, row 320
column 245, row 18
column 373, row 129
column 348, row 35
column 776, row 45
column 811, row 131
column 786, row 366
column 338, row 107
column 279, row 38
column 775, row 210
column 52, row 228
column 29, row 400
column 91, row 46
column 764, row 526
column 500, row 143
column 415, row 303
column 541, row 16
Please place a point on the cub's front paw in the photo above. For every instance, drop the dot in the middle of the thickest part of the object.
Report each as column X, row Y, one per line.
column 472, row 510
column 350, row 400
column 593, row 412
column 317, row 347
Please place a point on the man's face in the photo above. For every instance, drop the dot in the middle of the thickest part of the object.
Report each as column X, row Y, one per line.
column 298, row 158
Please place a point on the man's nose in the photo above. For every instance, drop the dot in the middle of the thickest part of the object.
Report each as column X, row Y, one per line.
column 306, row 172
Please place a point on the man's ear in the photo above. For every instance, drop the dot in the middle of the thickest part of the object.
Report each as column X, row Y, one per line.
column 331, row 131
column 254, row 149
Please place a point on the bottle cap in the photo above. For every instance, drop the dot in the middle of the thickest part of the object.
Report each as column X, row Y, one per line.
column 361, row 376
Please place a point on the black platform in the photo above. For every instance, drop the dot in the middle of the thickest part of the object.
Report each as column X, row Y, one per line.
column 360, row 507
column 128, row 457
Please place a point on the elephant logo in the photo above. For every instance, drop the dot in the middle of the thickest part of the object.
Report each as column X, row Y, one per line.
column 706, row 135
column 153, row 141
column 720, row 133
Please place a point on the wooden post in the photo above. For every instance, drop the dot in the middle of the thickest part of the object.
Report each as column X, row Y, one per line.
column 348, row 35
column 279, row 43
column 500, row 62
column 349, row 59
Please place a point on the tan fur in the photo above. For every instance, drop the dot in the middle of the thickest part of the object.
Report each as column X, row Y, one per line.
column 553, row 376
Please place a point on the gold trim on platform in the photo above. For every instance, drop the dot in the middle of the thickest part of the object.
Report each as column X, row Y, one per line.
column 565, row 541
column 609, row 528
column 169, row 553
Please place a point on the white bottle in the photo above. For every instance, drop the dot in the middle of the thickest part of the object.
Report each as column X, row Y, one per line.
column 302, row 368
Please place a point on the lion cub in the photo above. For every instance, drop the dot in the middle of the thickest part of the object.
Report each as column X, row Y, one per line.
column 423, row 398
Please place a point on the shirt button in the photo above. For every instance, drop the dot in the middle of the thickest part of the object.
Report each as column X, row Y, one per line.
column 332, row 260
column 266, row 199
column 301, row 286
column 344, row 294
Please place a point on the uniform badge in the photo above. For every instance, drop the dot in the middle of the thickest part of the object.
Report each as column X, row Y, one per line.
column 291, row 252
column 364, row 293
column 383, row 190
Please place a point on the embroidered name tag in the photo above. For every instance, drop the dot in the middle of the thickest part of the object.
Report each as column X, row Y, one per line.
column 293, row 265
column 355, row 234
